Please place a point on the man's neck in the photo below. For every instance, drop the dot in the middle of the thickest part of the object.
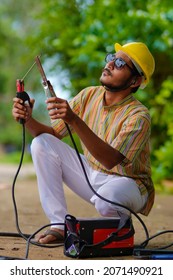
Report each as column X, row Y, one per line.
column 111, row 98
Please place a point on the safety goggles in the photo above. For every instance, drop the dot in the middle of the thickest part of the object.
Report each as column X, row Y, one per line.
column 119, row 63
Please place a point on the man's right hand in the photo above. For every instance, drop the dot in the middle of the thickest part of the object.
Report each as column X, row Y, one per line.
column 22, row 110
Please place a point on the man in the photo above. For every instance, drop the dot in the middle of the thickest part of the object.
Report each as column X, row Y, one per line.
column 114, row 129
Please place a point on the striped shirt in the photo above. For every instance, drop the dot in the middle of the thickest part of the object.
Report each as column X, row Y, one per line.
column 126, row 126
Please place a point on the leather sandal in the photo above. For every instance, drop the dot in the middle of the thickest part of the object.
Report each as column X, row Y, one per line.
column 59, row 237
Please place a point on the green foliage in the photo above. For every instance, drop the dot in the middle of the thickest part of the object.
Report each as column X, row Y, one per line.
column 163, row 118
column 78, row 45
column 14, row 157
column 164, row 162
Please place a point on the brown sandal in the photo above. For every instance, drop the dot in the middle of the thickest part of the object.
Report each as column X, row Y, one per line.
column 59, row 237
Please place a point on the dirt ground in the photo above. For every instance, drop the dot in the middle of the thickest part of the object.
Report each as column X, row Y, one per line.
column 31, row 216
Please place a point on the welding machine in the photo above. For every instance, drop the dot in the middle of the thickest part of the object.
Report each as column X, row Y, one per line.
column 97, row 237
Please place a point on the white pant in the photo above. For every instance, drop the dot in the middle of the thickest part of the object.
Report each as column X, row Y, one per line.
column 57, row 163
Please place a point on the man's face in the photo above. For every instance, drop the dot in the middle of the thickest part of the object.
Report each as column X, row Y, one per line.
column 117, row 76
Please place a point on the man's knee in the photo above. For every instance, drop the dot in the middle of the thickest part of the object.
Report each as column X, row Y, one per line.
column 108, row 209
column 39, row 144
column 112, row 202
column 36, row 144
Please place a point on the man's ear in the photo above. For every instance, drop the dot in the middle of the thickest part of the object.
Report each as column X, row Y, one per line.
column 136, row 81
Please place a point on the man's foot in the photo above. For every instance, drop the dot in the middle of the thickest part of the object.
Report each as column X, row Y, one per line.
column 51, row 236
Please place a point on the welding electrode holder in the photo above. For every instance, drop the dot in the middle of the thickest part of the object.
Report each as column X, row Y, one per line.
column 22, row 95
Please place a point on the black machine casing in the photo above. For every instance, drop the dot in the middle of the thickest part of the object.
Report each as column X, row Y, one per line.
column 98, row 237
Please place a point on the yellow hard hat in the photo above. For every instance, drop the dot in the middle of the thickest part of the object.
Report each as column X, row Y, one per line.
column 141, row 57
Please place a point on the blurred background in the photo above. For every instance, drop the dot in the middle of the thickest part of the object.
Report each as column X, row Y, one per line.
column 73, row 38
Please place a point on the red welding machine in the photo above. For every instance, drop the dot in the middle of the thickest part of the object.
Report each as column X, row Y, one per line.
column 100, row 237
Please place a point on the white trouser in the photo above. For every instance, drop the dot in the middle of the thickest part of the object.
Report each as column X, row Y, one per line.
column 56, row 163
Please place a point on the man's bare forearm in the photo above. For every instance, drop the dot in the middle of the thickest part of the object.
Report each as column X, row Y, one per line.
column 102, row 151
column 36, row 128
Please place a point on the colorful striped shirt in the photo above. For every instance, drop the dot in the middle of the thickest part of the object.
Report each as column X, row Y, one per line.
column 126, row 126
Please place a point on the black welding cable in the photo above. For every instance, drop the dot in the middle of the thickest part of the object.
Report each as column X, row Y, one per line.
column 19, row 234
column 28, row 237
column 145, row 242
column 103, row 198
column 29, row 240
column 157, row 235
column 25, row 236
